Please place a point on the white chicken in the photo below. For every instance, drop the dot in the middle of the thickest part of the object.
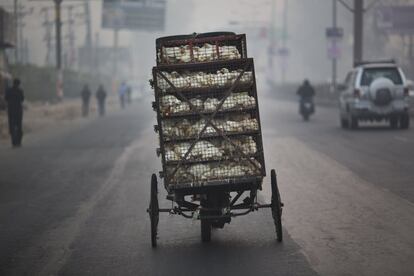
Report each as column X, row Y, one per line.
column 232, row 126
column 211, row 104
column 250, row 124
column 198, row 170
column 168, row 102
column 181, row 149
column 185, row 53
column 181, row 107
column 205, row 150
column 170, row 155
column 197, row 103
column 199, row 125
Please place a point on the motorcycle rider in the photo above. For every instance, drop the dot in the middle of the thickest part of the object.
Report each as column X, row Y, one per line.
column 306, row 93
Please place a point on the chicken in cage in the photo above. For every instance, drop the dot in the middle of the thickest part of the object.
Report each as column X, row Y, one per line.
column 178, row 129
column 211, row 104
column 221, row 78
column 204, row 150
column 198, row 126
column 224, row 170
column 206, row 52
column 170, row 104
column 245, row 143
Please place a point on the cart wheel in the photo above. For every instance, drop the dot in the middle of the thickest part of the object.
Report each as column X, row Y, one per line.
column 276, row 206
column 153, row 210
column 205, row 230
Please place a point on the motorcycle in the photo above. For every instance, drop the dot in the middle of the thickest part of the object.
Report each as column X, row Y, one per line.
column 306, row 108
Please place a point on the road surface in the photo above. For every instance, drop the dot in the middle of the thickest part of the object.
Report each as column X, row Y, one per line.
column 73, row 201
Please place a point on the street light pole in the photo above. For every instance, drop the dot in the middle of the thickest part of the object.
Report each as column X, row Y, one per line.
column 358, row 30
column 58, row 24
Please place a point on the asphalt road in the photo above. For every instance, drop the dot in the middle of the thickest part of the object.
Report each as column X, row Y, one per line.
column 73, row 201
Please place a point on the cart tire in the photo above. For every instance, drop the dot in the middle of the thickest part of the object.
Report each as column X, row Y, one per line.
column 205, row 230
column 153, row 210
column 276, row 206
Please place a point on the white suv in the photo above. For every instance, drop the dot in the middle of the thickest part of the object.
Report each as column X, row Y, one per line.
column 375, row 91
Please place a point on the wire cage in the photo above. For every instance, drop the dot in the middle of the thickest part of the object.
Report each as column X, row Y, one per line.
column 200, row 48
column 208, row 123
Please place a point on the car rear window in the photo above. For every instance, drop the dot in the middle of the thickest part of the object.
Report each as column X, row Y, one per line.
column 371, row 74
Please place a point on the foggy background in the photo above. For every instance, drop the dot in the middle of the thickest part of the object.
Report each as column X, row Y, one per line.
column 306, row 22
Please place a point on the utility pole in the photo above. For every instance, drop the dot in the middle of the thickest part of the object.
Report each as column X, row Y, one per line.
column 358, row 30
column 16, row 24
column 71, row 38
column 58, row 24
column 20, row 25
column 47, row 24
column 334, row 46
column 358, row 11
column 88, row 37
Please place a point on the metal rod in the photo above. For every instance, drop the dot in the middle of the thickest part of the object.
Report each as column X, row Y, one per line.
column 236, row 198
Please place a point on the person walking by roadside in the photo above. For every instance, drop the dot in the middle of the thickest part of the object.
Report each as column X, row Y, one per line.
column 129, row 94
column 101, row 97
column 122, row 92
column 86, row 95
column 14, row 97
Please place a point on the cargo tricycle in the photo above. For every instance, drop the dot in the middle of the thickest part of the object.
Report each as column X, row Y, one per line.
column 209, row 130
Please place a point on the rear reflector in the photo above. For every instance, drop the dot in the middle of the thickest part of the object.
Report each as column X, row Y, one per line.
column 406, row 91
column 357, row 93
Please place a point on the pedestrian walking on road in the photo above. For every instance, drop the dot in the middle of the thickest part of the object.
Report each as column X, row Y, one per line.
column 14, row 97
column 129, row 94
column 123, row 90
column 101, row 97
column 86, row 95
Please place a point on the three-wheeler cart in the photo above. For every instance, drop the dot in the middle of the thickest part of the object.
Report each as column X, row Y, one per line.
column 209, row 131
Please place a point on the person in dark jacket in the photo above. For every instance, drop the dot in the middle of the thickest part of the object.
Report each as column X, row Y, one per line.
column 86, row 95
column 306, row 93
column 14, row 97
column 306, row 90
column 101, row 97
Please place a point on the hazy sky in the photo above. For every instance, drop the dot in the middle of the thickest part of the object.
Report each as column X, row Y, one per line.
column 307, row 20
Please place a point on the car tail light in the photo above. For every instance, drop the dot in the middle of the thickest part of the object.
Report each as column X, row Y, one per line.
column 357, row 93
column 406, row 91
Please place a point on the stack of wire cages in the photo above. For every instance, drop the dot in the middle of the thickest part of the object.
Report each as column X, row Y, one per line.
column 208, row 117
